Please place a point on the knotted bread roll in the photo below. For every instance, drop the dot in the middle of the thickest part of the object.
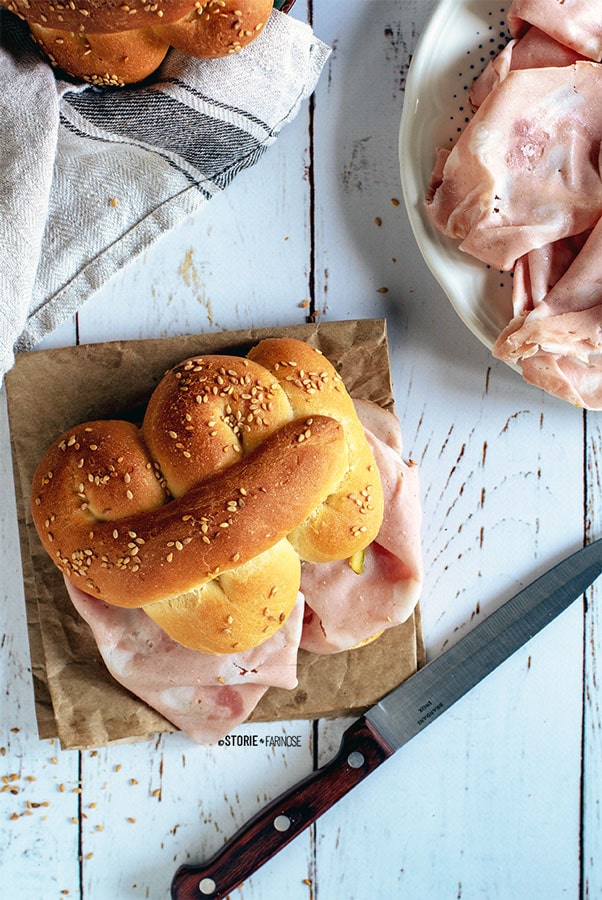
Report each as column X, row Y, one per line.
column 242, row 467
column 111, row 42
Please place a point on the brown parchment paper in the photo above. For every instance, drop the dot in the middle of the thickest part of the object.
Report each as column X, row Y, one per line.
column 50, row 391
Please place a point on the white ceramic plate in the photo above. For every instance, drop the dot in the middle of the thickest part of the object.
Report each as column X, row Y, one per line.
column 458, row 41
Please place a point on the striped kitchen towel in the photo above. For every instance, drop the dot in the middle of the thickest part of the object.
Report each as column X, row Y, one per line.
column 90, row 177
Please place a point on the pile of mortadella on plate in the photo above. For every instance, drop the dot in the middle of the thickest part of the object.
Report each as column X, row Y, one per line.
column 522, row 191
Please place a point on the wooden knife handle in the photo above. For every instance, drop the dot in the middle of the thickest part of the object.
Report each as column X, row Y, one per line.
column 362, row 750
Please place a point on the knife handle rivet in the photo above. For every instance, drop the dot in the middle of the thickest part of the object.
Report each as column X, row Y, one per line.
column 207, row 886
column 282, row 823
column 355, row 759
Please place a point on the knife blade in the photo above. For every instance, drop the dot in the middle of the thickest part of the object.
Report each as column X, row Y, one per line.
column 391, row 723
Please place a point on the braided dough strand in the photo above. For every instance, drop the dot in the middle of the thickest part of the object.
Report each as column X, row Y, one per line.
column 351, row 516
column 207, row 412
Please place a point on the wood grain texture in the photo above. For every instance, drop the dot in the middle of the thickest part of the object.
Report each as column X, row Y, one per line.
column 501, row 798
column 591, row 809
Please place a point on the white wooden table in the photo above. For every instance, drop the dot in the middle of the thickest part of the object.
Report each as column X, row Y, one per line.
column 500, row 798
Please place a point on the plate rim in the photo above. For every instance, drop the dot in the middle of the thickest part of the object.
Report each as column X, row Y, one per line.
column 440, row 253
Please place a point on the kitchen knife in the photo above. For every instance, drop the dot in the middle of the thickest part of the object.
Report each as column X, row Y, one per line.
column 392, row 722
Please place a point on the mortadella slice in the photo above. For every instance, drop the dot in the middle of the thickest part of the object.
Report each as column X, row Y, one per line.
column 575, row 23
column 344, row 608
column 526, row 170
column 558, row 342
column 204, row 695
column 534, row 50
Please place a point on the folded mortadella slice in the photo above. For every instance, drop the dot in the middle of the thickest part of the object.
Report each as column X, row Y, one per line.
column 534, row 50
column 575, row 23
column 536, row 273
column 558, row 342
column 204, row 695
column 345, row 608
column 525, row 172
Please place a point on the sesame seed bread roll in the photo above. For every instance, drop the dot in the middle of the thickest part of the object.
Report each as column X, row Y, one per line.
column 242, row 468
column 109, row 42
column 98, row 504
column 350, row 517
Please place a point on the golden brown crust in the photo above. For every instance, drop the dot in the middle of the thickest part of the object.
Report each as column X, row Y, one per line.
column 95, row 16
column 117, row 43
column 206, row 412
column 351, row 516
column 201, row 516
column 218, row 29
column 218, row 524
column 103, row 59
column 244, row 605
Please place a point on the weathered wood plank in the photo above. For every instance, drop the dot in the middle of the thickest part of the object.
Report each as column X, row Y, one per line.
column 497, row 464
column 489, row 801
column 592, row 678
